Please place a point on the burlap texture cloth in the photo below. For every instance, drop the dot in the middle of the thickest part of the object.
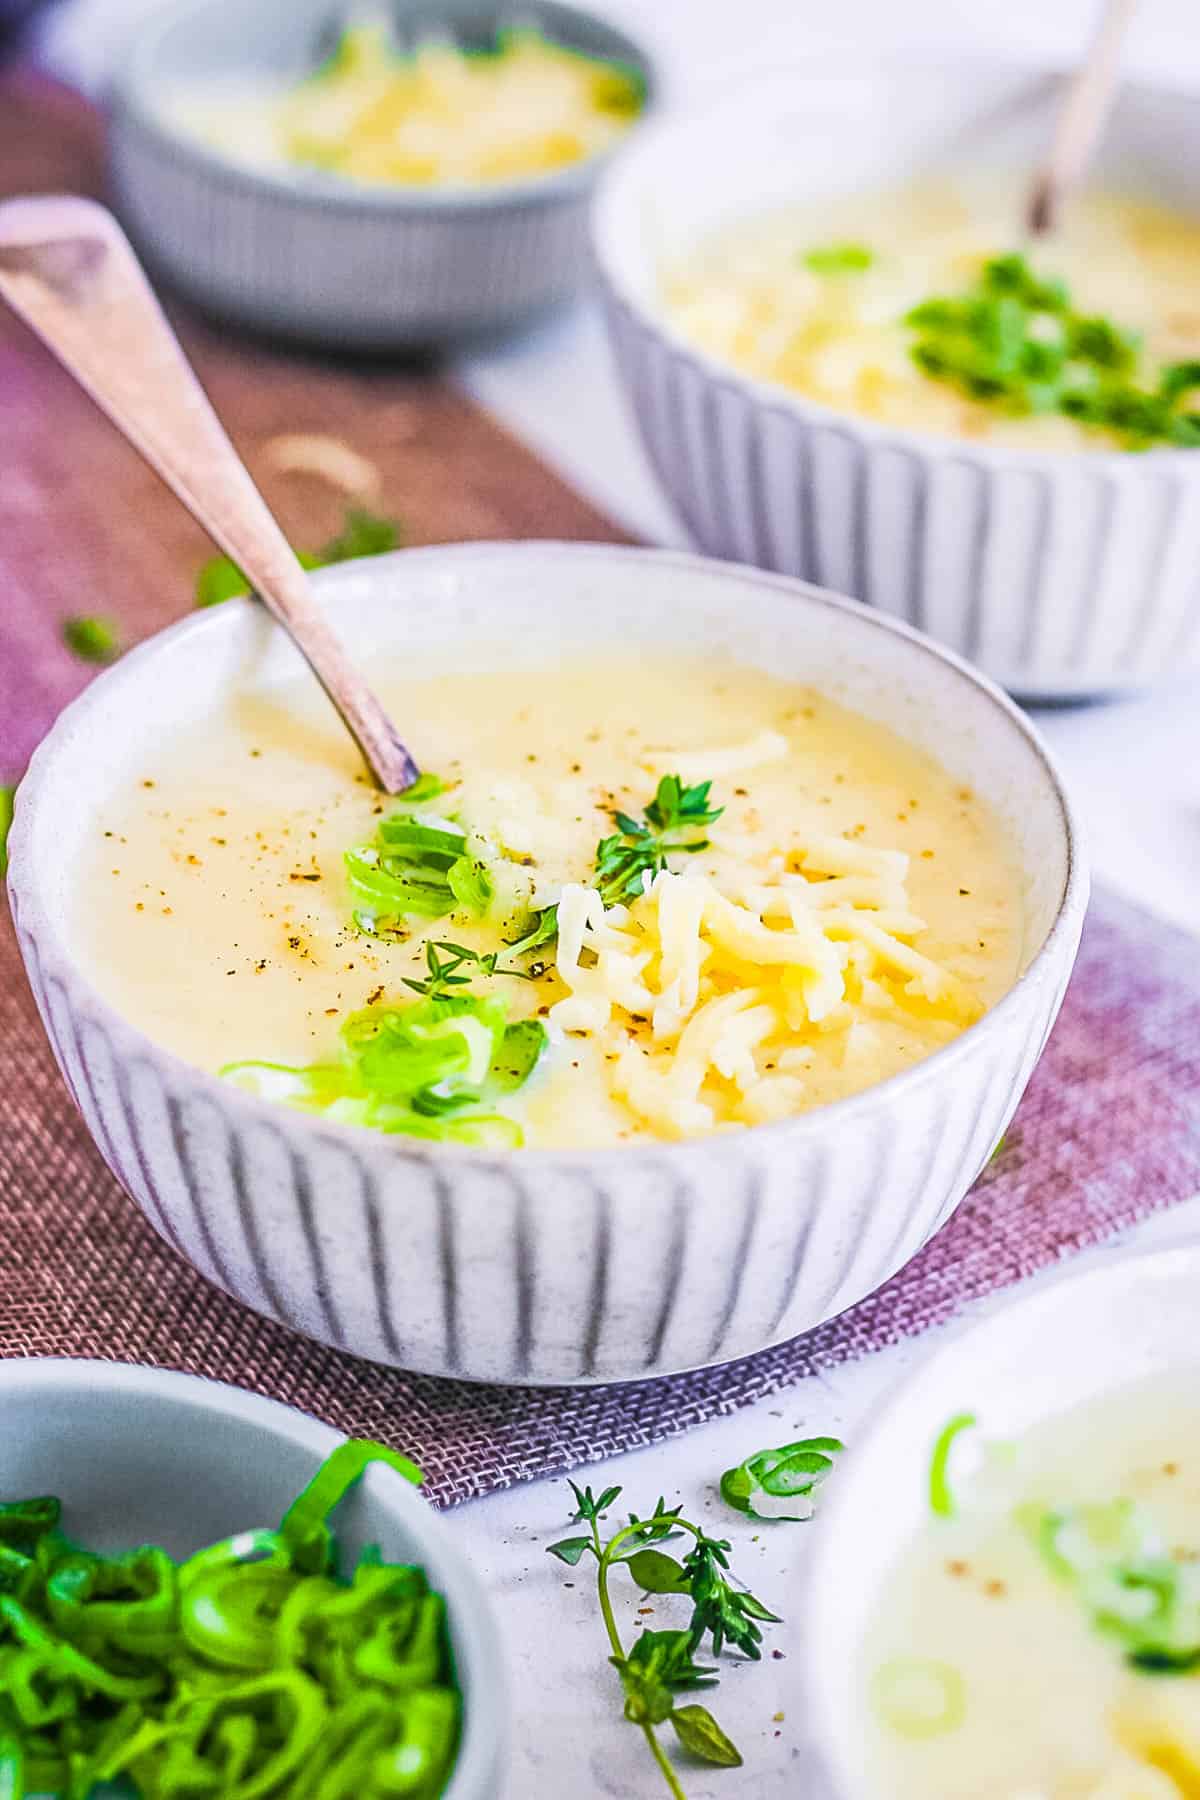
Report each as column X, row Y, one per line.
column 1108, row 1132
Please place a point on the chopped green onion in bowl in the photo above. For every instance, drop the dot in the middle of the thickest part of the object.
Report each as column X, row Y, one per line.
column 256, row 1669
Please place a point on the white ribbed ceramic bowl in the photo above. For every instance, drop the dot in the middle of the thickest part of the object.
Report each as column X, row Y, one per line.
column 1069, row 1341
column 1058, row 574
column 147, row 1456
column 540, row 1265
column 325, row 260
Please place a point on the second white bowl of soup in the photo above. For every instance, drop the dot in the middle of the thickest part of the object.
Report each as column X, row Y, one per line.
column 1021, row 1617
column 667, row 1017
column 847, row 364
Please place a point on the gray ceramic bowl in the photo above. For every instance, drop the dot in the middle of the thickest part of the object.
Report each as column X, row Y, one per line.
column 316, row 257
column 546, row 1265
column 143, row 1455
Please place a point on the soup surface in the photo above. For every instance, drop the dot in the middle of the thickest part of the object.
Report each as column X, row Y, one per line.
column 816, row 299
column 850, row 909
column 439, row 117
column 1044, row 1642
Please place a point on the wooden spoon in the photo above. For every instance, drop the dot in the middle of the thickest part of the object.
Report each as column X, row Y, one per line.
column 1080, row 122
column 67, row 268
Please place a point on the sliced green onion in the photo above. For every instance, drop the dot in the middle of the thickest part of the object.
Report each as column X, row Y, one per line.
column 838, row 259
column 93, row 640
column 249, row 1672
column 919, row 1699
column 941, row 1497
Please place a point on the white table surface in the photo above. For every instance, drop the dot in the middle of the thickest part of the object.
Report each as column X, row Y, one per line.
column 1133, row 767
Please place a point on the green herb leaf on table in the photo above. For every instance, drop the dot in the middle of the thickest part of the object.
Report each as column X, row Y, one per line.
column 1015, row 341
column 663, row 1663
column 838, row 259
column 792, row 1471
column 657, row 1573
column 93, row 640
column 8, row 797
column 363, row 534
column 699, row 1733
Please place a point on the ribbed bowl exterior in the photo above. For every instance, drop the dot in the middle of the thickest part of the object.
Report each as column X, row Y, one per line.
column 354, row 277
column 536, row 1268
column 543, row 1265
column 299, row 254
column 1059, row 577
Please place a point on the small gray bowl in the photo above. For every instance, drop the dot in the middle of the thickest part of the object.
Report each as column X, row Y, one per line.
column 143, row 1455
column 313, row 256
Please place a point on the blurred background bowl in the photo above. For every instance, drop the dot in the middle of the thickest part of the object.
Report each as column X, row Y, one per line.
column 1052, row 1349
column 317, row 257
column 1060, row 574
column 147, row 1456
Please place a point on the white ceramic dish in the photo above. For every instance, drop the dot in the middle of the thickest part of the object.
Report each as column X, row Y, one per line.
column 145, row 1456
column 1060, row 575
column 539, row 1265
column 1051, row 1350
column 321, row 259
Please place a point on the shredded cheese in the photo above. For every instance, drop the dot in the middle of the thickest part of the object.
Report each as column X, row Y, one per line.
column 704, row 1000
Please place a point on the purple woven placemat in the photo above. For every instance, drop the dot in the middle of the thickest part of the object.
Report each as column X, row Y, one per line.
column 1108, row 1132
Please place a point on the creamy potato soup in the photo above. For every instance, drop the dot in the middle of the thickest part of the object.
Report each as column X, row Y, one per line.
column 616, row 907
column 918, row 308
column 1043, row 1641
column 438, row 117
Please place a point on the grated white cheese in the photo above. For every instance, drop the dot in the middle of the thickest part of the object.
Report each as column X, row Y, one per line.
column 706, row 999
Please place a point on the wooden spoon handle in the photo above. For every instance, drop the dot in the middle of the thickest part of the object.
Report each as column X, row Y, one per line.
column 1080, row 120
column 67, row 268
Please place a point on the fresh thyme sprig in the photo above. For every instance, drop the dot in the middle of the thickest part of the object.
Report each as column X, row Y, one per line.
column 639, row 848
column 662, row 1663
column 444, row 974
column 1015, row 340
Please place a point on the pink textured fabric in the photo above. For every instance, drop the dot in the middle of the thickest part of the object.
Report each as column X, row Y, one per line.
column 1108, row 1132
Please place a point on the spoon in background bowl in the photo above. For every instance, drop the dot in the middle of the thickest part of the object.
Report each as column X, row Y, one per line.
column 68, row 270
column 1081, row 118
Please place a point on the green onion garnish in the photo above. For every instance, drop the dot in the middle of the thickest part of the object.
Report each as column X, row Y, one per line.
column 1015, row 341
column 941, row 1497
column 93, row 640
column 919, row 1699
column 1131, row 1587
column 430, row 1070
column 416, row 867
column 838, row 259
column 254, row 1670
column 362, row 534
column 7, row 797
column 791, row 1472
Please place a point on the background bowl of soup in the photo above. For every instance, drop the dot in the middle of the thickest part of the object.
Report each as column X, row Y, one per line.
column 759, row 257
column 148, row 1456
column 608, row 1247
column 952, row 1653
column 418, row 250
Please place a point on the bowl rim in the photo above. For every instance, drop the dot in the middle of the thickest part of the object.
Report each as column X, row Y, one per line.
column 486, row 1718
column 619, row 190
column 1041, row 1295
column 131, row 98
column 33, row 918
